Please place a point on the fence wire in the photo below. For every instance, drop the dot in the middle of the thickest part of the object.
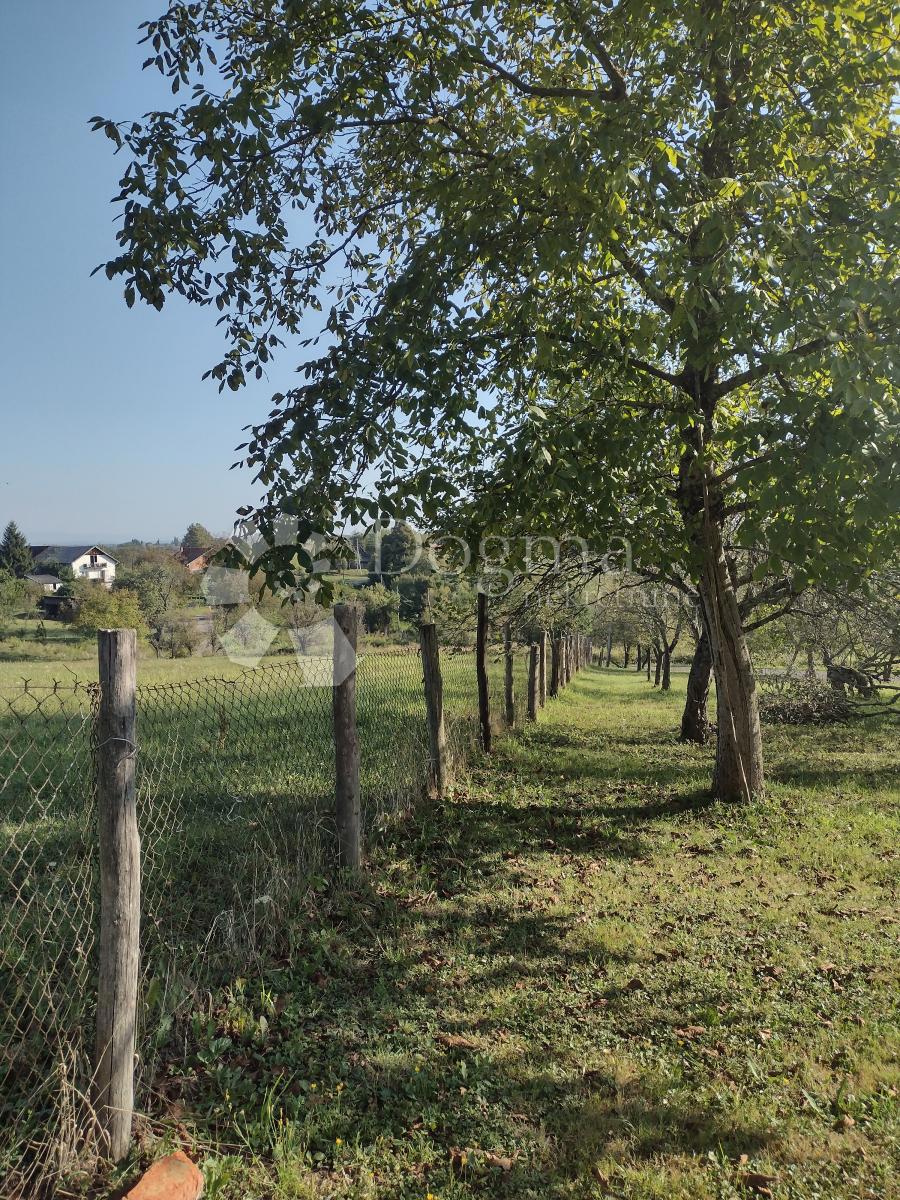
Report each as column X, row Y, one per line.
column 235, row 789
column 49, row 889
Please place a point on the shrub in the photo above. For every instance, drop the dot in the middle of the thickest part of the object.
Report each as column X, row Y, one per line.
column 803, row 702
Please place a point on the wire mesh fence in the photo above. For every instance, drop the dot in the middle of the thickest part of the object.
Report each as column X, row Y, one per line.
column 48, row 883
column 235, row 787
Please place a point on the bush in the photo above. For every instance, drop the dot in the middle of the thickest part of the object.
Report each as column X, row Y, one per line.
column 803, row 702
column 100, row 609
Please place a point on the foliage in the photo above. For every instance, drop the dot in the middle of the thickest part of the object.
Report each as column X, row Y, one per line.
column 15, row 554
column 102, row 609
column 380, row 607
column 14, row 593
column 804, row 702
column 198, row 537
column 632, row 226
column 399, row 549
column 179, row 637
column 160, row 587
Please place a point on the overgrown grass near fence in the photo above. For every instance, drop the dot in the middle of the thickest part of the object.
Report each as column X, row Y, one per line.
column 235, row 781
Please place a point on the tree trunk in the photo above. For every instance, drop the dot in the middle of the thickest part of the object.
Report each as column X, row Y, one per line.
column 738, row 771
column 648, row 663
column 666, row 684
column 738, row 774
column 810, row 663
column 695, row 725
column 626, row 655
column 657, row 665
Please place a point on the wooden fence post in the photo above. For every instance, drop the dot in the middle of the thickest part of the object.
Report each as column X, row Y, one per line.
column 120, row 891
column 532, row 681
column 509, row 698
column 347, row 808
column 554, row 666
column 542, row 668
column 434, row 705
column 484, row 702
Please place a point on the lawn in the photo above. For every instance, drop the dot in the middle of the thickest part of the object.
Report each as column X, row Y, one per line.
column 577, row 977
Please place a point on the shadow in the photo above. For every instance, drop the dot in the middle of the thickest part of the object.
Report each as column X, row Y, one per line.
column 832, row 776
column 416, row 1010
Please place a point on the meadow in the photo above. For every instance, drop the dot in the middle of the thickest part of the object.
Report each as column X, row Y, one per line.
column 577, row 977
column 235, row 783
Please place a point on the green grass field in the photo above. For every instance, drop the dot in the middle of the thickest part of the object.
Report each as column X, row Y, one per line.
column 577, row 977
column 235, row 783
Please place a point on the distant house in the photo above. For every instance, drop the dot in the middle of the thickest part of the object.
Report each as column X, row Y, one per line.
column 194, row 559
column 87, row 562
column 49, row 584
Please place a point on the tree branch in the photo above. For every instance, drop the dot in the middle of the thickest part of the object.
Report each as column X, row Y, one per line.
column 549, row 93
column 761, row 370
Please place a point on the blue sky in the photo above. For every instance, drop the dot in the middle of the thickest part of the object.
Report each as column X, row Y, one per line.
column 108, row 432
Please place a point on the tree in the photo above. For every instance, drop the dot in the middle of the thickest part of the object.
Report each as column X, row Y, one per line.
column 562, row 251
column 198, row 537
column 15, row 555
column 101, row 609
column 400, row 549
column 14, row 594
column 160, row 588
column 380, row 607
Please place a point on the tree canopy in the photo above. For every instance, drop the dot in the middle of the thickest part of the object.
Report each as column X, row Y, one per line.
column 197, row 537
column 593, row 266
column 15, row 553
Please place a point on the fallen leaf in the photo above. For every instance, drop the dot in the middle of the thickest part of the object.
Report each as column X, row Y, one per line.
column 498, row 1161
column 455, row 1041
column 757, row 1183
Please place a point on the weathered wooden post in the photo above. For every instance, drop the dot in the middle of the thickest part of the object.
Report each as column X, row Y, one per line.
column 554, row 667
column 347, row 806
column 509, row 695
column 484, row 702
column 434, row 705
column 532, row 681
column 542, row 668
column 120, row 891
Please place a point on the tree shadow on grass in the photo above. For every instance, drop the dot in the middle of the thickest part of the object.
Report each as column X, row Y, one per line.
column 834, row 777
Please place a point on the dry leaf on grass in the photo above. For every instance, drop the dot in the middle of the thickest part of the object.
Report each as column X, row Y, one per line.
column 455, row 1041
column 757, row 1183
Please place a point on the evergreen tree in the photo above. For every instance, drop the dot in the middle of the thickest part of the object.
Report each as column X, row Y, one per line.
column 197, row 537
column 15, row 555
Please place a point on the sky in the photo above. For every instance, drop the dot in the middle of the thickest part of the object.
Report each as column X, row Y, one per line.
column 107, row 431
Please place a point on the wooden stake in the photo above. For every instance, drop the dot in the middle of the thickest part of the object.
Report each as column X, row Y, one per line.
column 347, row 806
column 542, row 668
column 509, row 698
column 532, row 682
column 120, row 891
column 434, row 705
column 484, row 703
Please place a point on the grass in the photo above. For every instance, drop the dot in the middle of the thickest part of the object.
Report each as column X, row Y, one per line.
column 235, row 781
column 576, row 978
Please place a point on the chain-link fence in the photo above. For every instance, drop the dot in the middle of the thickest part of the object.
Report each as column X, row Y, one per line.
column 48, row 892
column 235, row 792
